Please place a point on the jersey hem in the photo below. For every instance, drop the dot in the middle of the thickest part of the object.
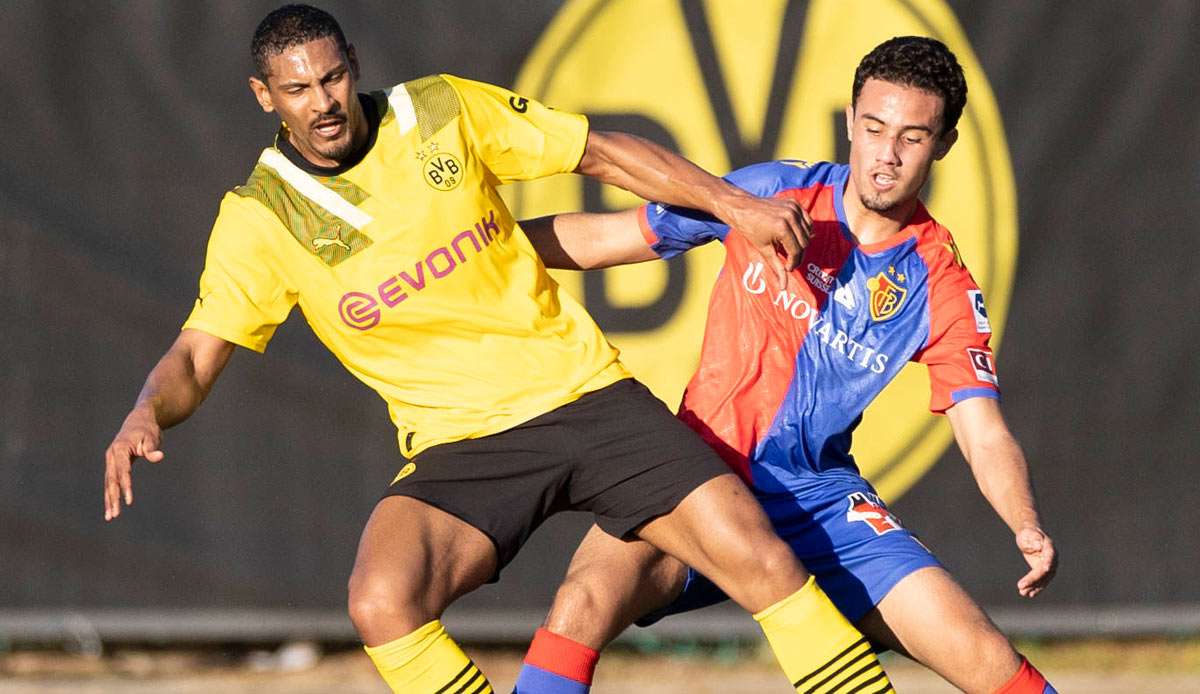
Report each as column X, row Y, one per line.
column 607, row 376
column 966, row 394
column 577, row 157
column 648, row 234
column 217, row 331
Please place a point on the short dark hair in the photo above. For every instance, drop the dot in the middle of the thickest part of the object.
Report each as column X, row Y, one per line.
column 921, row 62
column 291, row 25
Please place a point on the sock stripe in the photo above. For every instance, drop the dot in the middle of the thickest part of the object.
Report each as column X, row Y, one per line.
column 817, row 671
column 870, row 662
column 846, row 679
column 469, row 669
column 869, row 667
column 881, row 676
column 478, row 682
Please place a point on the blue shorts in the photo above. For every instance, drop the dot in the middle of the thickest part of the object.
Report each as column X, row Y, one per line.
column 843, row 534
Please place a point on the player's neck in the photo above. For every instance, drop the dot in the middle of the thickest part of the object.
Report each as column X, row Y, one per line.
column 869, row 226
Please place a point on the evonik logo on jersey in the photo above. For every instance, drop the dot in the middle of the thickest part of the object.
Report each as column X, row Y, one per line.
column 364, row 310
column 798, row 308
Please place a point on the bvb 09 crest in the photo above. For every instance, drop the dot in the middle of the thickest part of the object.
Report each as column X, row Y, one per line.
column 730, row 84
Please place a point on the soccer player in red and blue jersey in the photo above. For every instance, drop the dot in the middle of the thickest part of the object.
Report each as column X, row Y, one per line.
column 785, row 374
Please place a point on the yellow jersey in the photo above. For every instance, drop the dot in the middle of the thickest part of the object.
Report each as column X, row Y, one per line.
column 408, row 265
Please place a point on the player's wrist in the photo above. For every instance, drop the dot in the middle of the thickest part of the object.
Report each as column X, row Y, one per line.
column 1033, row 525
column 144, row 415
column 727, row 201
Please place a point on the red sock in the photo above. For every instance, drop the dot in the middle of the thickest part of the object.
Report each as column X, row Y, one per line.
column 1027, row 681
column 562, row 656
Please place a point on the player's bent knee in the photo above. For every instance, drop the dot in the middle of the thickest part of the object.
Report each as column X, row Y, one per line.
column 571, row 604
column 774, row 563
column 378, row 605
column 763, row 577
column 577, row 596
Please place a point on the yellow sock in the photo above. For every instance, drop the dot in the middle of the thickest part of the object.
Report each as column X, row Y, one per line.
column 821, row 652
column 427, row 661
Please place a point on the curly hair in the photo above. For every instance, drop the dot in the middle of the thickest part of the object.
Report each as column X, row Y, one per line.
column 291, row 25
column 917, row 61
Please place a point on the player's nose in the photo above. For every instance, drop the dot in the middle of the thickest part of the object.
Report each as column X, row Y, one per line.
column 886, row 153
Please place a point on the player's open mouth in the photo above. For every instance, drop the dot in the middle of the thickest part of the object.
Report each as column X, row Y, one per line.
column 884, row 181
column 330, row 128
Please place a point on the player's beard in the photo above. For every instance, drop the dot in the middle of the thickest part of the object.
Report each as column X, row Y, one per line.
column 338, row 150
column 878, row 203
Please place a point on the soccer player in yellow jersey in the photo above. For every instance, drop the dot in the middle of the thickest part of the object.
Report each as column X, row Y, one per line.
column 378, row 215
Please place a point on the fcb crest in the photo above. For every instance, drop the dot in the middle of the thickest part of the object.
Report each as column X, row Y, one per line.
column 887, row 293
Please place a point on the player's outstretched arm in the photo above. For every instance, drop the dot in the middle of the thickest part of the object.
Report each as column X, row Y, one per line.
column 588, row 240
column 773, row 225
column 173, row 391
column 1000, row 470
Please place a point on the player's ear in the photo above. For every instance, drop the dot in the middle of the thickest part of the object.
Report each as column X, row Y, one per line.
column 850, row 123
column 352, row 59
column 262, row 94
column 944, row 143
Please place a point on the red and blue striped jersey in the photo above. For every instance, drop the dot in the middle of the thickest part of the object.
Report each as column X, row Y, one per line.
column 785, row 373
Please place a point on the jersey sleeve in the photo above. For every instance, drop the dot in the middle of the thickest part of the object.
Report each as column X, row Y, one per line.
column 961, row 364
column 243, row 297
column 517, row 138
column 671, row 230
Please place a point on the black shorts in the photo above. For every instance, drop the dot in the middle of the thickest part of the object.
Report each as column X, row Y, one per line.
column 617, row 452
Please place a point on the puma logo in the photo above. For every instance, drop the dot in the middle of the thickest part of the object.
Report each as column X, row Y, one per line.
column 322, row 242
column 405, row 472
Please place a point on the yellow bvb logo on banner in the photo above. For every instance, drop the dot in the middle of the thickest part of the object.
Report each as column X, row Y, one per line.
column 729, row 84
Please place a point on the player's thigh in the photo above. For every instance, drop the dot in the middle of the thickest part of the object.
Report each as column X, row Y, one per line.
column 929, row 617
column 610, row 583
column 722, row 532
column 414, row 559
column 644, row 473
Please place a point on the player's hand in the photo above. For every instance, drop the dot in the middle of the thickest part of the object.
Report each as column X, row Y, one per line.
column 1039, row 553
column 774, row 226
column 140, row 437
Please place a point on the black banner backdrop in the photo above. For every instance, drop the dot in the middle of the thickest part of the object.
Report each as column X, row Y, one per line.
column 128, row 121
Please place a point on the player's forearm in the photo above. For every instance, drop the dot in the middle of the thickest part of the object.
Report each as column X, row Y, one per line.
column 171, row 392
column 1002, row 473
column 588, row 241
column 655, row 173
column 182, row 379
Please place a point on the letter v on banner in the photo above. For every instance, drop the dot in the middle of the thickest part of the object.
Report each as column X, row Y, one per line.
column 731, row 84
